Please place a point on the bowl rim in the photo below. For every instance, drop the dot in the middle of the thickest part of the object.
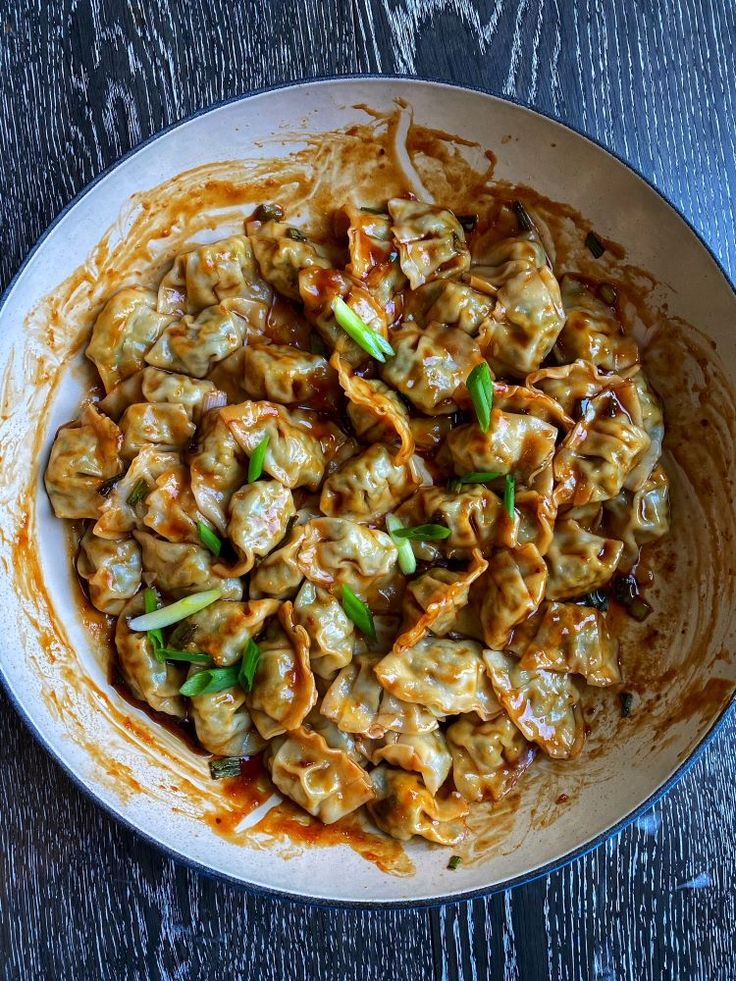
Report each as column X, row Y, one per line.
column 296, row 898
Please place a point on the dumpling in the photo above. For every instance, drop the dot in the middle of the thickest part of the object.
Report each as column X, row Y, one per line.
column 112, row 571
column 601, row 451
column 84, row 456
column 431, row 366
column 570, row 638
column 543, row 705
column 165, row 426
column 571, row 384
column 641, row 517
column 282, row 252
column 512, row 589
column 148, row 679
column 652, row 421
column 446, row 301
column 217, row 469
column 487, row 757
column 183, row 568
column 154, row 385
column 369, row 240
column 117, row 517
column 209, row 274
column 222, row 722
column 579, row 561
column 528, row 315
column 126, row 328
column 522, row 445
column 170, row 508
column 368, row 486
column 591, row 330
column 322, row 780
column 426, row 754
column 435, row 602
column 224, row 628
column 431, row 241
column 279, row 575
column 331, row 632
column 474, row 516
column 356, row 702
column 283, row 687
column 404, row 807
column 259, row 518
column 376, row 412
column 284, row 374
column 334, row 737
column 447, row 676
column 193, row 345
column 294, row 456
column 537, row 513
column 337, row 552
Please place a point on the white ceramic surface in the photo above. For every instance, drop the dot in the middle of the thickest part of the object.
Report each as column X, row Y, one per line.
column 546, row 156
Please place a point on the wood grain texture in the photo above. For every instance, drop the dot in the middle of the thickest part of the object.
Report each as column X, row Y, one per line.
column 82, row 81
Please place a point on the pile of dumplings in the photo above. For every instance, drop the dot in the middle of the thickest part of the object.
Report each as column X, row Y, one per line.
column 478, row 656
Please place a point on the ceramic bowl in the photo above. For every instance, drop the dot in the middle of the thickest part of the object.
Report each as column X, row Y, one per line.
column 682, row 665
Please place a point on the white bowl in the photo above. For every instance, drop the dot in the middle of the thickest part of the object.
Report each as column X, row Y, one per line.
column 684, row 674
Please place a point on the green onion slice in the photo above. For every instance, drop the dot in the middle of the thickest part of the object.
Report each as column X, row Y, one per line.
column 139, row 491
column 407, row 559
column 150, row 603
column 509, row 495
column 364, row 336
column 268, row 212
column 608, row 294
column 480, row 386
column 106, row 486
column 249, row 665
column 423, row 533
column 595, row 245
column 191, row 657
column 255, row 464
column 210, row 681
column 208, row 538
column 174, row 612
column 295, row 235
column 627, row 702
column 225, row 766
column 480, row 477
column 454, row 862
column 358, row 612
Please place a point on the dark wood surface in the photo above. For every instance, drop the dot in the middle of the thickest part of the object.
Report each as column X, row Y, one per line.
column 81, row 81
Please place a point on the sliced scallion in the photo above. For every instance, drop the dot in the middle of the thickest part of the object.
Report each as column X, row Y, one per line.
column 509, row 495
column 454, row 862
column 150, row 603
column 225, row 766
column 627, row 701
column 208, row 538
column 359, row 612
column 627, row 591
column 295, row 235
column 608, row 294
column 525, row 222
column 407, row 559
column 594, row 245
column 423, row 533
column 190, row 657
column 597, row 598
column 249, row 665
column 139, row 491
column 364, row 336
column 373, row 211
column 255, row 464
column 268, row 212
column 107, row 485
column 209, row 681
column 480, row 387
column 174, row 612
column 479, row 477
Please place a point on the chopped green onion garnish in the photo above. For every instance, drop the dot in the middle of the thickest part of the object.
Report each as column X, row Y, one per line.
column 150, row 603
column 455, row 485
column 249, row 665
column 107, row 485
column 522, row 215
column 480, row 386
column 454, row 862
column 268, row 212
column 595, row 245
column 608, row 294
column 373, row 211
column 424, row 533
column 358, row 612
column 139, row 491
column 255, row 464
column 225, row 766
column 626, row 591
column 627, row 700
column 208, row 538
column 191, row 657
column 468, row 222
column 210, row 681
column 407, row 559
column 364, row 336
column 509, row 495
column 479, row 477
column 598, row 598
column 295, row 235
column 164, row 617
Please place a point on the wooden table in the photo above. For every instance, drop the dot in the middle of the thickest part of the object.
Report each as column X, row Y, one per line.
column 82, row 81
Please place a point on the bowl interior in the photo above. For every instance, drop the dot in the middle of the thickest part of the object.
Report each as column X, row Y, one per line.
column 680, row 664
